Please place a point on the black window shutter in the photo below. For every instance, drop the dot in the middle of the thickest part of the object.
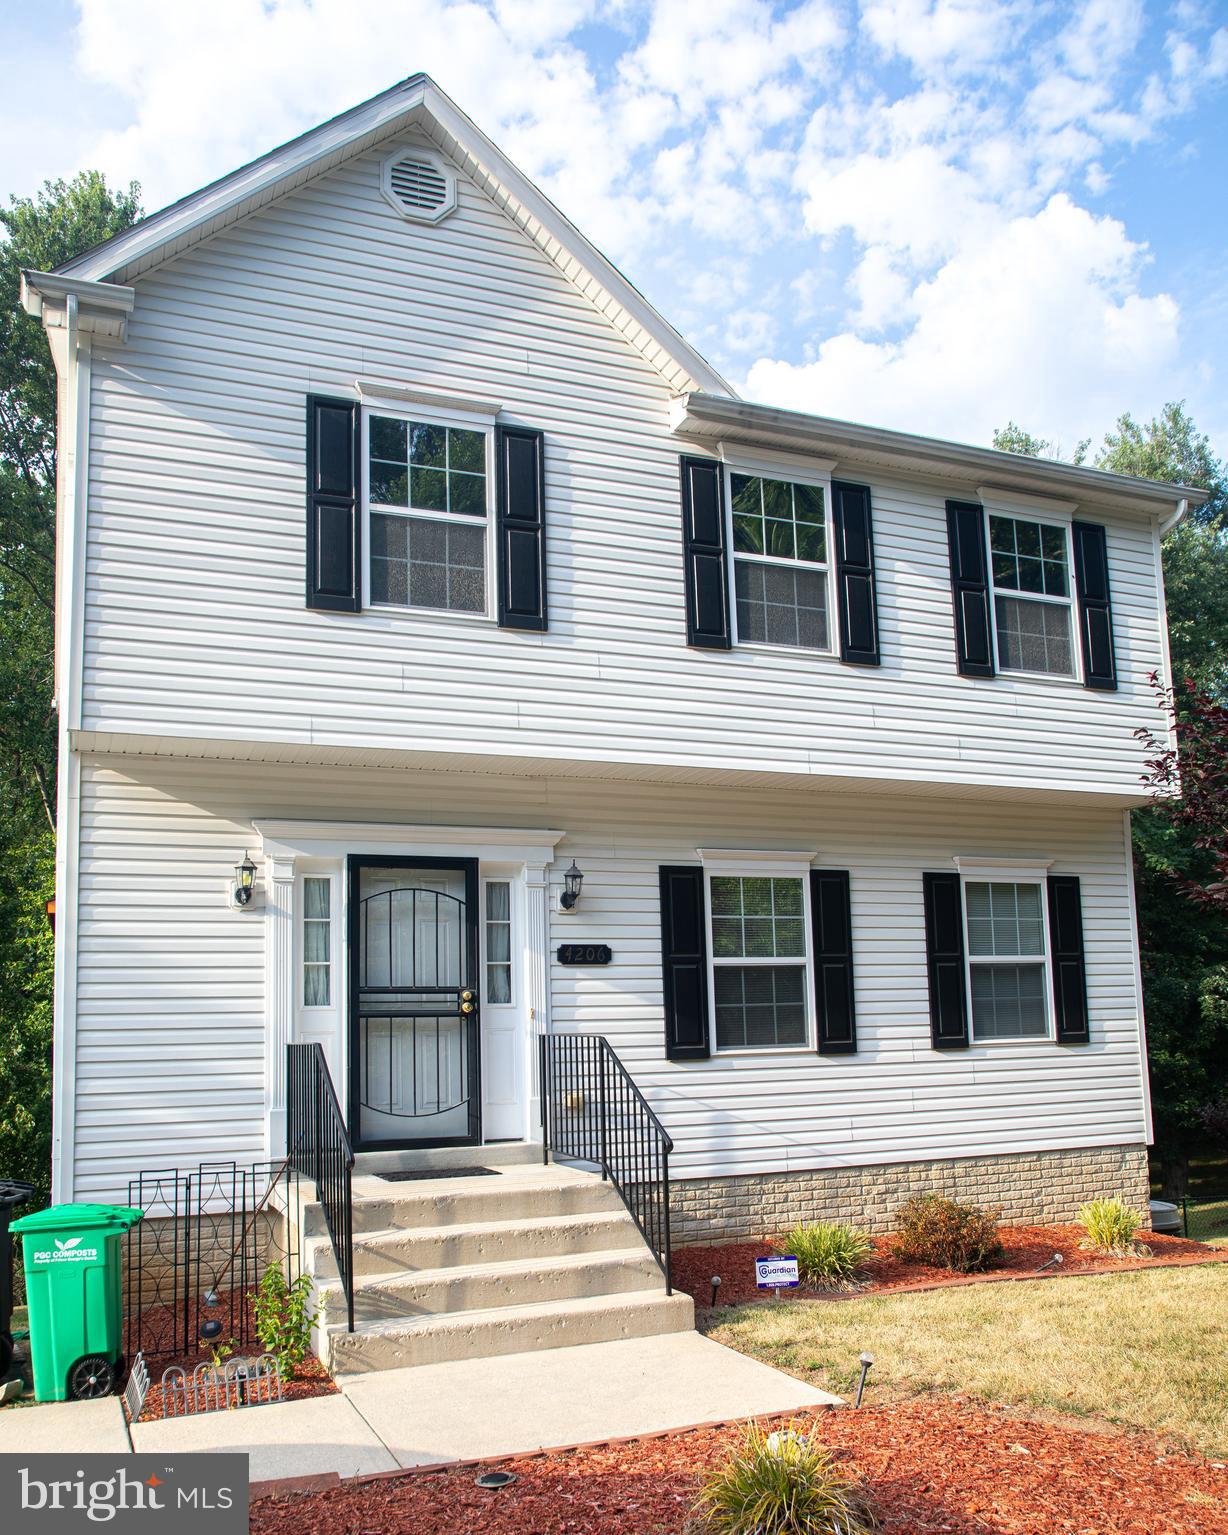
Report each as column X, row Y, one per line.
column 1095, row 613
column 1069, row 968
column 854, row 534
column 944, row 952
column 684, row 958
column 521, row 516
column 832, row 921
column 970, row 588
column 703, row 541
column 334, row 539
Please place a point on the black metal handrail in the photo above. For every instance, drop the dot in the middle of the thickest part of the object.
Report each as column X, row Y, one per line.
column 318, row 1147
column 592, row 1111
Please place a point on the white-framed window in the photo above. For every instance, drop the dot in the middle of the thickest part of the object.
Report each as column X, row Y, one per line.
column 427, row 511
column 1007, row 944
column 498, row 944
column 759, row 948
column 779, row 534
column 1030, row 563
column 317, row 941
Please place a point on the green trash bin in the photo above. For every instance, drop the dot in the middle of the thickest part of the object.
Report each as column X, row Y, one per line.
column 72, row 1257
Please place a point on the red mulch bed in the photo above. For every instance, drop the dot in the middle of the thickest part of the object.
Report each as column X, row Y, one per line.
column 1027, row 1247
column 931, row 1466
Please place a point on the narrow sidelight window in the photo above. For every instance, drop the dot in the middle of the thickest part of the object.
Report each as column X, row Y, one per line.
column 498, row 941
column 1030, row 568
column 759, row 966
column 427, row 495
column 1007, row 963
column 780, row 566
column 317, row 942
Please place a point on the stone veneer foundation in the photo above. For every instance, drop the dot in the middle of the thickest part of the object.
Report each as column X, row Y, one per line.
column 1028, row 1188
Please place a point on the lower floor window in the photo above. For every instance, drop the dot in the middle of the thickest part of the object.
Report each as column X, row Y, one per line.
column 760, row 1006
column 1006, row 960
column 758, row 962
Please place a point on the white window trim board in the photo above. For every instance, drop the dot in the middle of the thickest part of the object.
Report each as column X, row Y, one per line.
column 1010, row 503
column 400, row 396
column 402, row 412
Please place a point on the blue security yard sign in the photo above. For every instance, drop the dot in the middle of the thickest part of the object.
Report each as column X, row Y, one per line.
column 776, row 1274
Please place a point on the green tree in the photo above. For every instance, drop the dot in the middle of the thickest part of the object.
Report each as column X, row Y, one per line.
column 65, row 218
column 1183, row 943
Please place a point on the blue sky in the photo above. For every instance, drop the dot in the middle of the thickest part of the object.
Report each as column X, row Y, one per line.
column 928, row 214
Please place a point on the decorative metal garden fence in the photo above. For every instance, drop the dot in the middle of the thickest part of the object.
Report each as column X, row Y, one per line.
column 1205, row 1220
column 193, row 1264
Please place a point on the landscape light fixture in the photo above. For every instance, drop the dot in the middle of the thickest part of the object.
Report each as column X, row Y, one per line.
column 716, row 1284
column 572, row 882
column 245, row 880
column 866, row 1361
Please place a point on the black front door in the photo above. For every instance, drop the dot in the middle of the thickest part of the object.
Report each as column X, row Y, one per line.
column 414, row 1054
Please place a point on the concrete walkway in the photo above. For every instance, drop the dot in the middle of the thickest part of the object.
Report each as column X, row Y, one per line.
column 464, row 1410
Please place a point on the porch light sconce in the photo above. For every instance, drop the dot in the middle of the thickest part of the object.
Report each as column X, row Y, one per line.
column 572, row 882
column 245, row 879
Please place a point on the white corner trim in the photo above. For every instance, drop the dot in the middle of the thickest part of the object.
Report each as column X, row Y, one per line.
column 1136, row 955
column 1003, row 868
column 334, row 839
column 995, row 499
column 375, row 389
column 762, row 858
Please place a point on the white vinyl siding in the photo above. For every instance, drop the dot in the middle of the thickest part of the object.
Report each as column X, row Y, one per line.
column 196, row 493
column 171, row 1002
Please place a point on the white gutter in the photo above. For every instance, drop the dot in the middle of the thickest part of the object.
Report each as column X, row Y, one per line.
column 711, row 417
column 1167, row 524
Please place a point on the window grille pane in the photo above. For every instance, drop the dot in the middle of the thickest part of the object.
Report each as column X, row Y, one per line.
column 781, row 605
column 1008, row 1001
column 424, row 564
column 498, row 941
column 317, row 942
column 1004, row 919
column 1029, row 556
column 427, row 468
column 1033, row 636
column 760, row 1006
column 755, row 918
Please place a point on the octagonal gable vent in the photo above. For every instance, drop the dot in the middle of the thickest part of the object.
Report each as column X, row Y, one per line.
column 419, row 185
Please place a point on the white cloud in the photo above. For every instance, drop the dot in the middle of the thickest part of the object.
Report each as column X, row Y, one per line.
column 935, row 36
column 1045, row 322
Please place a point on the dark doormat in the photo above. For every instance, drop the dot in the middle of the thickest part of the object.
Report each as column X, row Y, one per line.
column 439, row 1172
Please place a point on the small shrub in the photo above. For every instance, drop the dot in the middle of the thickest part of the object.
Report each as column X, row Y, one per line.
column 947, row 1235
column 783, row 1483
column 1111, row 1225
column 285, row 1317
column 828, row 1254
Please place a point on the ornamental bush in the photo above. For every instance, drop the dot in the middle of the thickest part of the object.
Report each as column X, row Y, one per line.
column 947, row 1235
column 828, row 1254
column 1110, row 1225
column 783, row 1483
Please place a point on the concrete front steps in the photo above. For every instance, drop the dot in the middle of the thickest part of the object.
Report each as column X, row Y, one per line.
column 461, row 1267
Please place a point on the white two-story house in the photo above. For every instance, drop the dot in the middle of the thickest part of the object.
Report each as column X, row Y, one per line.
column 414, row 572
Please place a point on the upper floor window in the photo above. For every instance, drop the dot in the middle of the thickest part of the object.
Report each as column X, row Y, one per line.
column 780, row 565
column 428, row 513
column 1007, row 963
column 1030, row 562
column 759, row 962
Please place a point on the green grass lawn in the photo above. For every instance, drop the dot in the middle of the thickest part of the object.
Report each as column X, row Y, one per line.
column 1149, row 1350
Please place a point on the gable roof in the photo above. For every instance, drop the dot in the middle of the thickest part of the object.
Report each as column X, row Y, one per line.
column 420, row 104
